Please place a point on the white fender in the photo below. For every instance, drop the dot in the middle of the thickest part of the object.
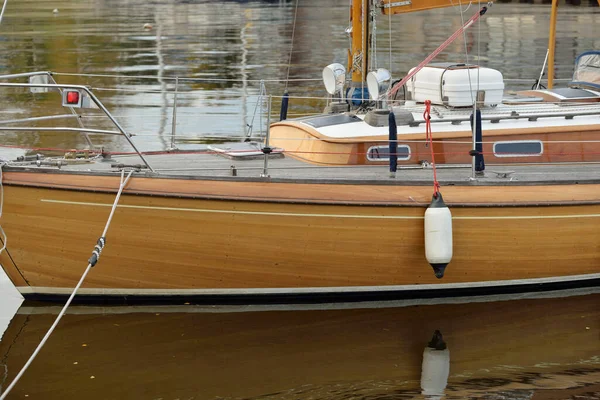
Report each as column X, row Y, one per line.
column 438, row 235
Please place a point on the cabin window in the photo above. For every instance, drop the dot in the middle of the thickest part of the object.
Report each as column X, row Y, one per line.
column 518, row 148
column 382, row 153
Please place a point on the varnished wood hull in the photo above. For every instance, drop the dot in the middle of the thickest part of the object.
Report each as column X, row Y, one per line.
column 172, row 236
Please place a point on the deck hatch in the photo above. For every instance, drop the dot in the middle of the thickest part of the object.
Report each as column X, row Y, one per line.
column 330, row 120
column 518, row 148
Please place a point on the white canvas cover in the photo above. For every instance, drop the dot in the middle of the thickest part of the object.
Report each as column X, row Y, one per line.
column 456, row 85
column 587, row 70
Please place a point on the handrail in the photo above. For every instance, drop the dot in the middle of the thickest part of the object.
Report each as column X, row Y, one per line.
column 91, row 96
column 31, row 119
column 49, row 74
column 59, row 129
column 25, row 74
column 514, row 116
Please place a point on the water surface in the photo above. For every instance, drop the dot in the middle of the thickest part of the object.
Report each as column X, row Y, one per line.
column 133, row 50
column 518, row 349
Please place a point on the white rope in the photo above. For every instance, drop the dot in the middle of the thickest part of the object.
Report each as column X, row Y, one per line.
column 4, row 377
column 64, row 309
column 3, row 8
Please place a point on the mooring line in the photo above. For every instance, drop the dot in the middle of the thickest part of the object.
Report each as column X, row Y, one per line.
column 91, row 262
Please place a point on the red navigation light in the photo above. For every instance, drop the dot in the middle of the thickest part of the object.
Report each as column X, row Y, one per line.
column 73, row 97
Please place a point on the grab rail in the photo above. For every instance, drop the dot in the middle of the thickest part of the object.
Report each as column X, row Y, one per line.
column 92, row 97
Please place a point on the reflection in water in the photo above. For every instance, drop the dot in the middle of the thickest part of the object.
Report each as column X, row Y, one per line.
column 436, row 367
column 510, row 350
column 161, row 80
column 228, row 47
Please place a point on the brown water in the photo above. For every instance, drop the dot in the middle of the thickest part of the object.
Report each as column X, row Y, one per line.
column 240, row 43
column 518, row 349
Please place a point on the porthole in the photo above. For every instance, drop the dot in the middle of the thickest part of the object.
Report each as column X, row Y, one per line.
column 382, row 153
column 518, row 148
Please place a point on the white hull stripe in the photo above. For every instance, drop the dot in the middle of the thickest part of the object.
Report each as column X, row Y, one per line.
column 25, row 290
column 284, row 214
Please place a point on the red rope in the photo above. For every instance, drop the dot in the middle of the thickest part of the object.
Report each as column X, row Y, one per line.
column 429, row 139
column 437, row 51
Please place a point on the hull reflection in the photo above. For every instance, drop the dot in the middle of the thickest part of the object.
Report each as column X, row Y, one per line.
column 522, row 348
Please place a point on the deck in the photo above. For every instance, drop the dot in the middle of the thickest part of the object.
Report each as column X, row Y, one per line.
column 207, row 164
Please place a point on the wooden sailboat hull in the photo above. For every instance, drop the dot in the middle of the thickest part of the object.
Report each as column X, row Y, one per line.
column 191, row 236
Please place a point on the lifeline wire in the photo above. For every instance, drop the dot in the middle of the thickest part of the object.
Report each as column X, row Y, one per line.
column 64, row 309
column 430, row 57
column 390, row 34
column 4, row 237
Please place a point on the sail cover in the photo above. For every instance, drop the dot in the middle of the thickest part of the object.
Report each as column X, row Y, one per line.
column 587, row 70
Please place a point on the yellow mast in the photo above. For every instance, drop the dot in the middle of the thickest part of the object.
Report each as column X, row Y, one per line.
column 358, row 55
column 357, row 58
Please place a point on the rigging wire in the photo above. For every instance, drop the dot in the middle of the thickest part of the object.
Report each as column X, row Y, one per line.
column 373, row 23
column 473, row 100
column 455, row 35
column 289, row 66
column 2, row 163
column 390, row 44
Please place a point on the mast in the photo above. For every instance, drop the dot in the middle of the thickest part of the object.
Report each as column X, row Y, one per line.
column 358, row 55
column 360, row 16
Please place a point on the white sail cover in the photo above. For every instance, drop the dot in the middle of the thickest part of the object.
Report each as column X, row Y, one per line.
column 587, row 70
